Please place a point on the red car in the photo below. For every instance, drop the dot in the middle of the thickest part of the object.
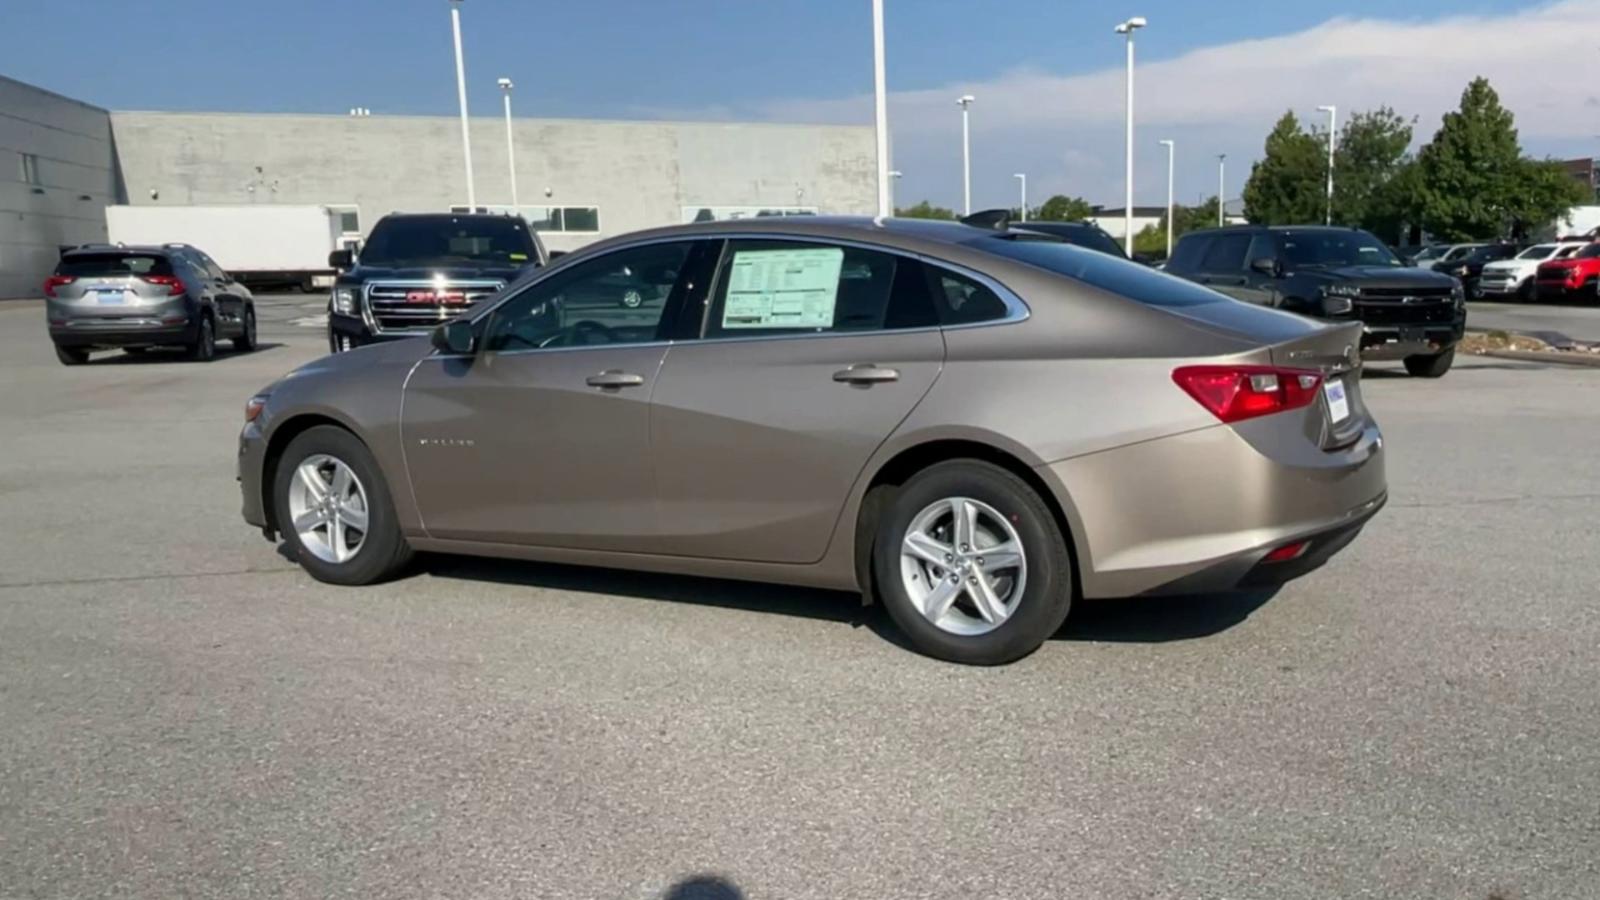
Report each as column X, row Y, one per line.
column 1578, row 273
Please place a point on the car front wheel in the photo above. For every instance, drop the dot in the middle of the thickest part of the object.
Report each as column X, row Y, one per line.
column 334, row 510
column 971, row 565
column 1431, row 366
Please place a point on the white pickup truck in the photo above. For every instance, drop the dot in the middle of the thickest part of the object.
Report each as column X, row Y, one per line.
column 1514, row 277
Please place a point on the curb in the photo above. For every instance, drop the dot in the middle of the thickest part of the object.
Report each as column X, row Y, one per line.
column 1579, row 359
column 1556, row 339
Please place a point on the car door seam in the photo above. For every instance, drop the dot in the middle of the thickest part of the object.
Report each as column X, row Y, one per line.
column 405, row 457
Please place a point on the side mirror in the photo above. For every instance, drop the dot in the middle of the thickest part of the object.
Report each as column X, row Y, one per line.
column 1266, row 265
column 455, row 338
column 341, row 259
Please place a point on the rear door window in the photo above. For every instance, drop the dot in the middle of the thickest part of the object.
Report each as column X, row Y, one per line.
column 791, row 287
column 1226, row 255
column 113, row 265
column 1187, row 255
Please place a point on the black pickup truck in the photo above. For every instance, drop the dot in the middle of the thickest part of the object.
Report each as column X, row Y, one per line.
column 1338, row 274
column 419, row 269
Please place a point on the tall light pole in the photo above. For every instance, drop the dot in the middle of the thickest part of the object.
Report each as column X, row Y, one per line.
column 1222, row 171
column 461, row 96
column 511, row 147
column 1333, row 120
column 880, row 110
column 965, row 101
column 1172, row 152
column 1128, row 28
column 1023, row 179
column 894, row 181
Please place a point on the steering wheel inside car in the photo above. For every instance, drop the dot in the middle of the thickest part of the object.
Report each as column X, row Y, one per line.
column 581, row 333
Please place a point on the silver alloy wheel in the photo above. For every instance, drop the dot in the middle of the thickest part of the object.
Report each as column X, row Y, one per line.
column 328, row 508
column 963, row 566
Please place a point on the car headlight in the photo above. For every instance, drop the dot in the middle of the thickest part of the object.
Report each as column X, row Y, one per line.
column 1459, row 295
column 344, row 300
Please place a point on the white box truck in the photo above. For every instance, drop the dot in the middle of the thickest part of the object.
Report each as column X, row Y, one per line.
column 259, row 245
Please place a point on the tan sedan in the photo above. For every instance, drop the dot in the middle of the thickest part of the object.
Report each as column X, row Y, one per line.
column 973, row 426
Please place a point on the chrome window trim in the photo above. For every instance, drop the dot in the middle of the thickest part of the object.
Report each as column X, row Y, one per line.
column 1017, row 308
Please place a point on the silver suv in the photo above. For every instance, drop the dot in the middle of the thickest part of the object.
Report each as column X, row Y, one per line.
column 104, row 296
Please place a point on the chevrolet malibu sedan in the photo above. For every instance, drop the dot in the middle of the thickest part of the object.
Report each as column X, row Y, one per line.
column 976, row 427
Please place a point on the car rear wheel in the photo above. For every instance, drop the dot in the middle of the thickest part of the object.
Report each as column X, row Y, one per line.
column 246, row 341
column 1431, row 366
column 334, row 510
column 971, row 565
column 204, row 348
column 71, row 356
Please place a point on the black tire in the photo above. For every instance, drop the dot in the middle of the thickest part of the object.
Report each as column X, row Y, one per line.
column 246, row 341
column 204, row 348
column 1525, row 292
column 384, row 552
column 1047, row 595
column 71, row 356
column 1431, row 366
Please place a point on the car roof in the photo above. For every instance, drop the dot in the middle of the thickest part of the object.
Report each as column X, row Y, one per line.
column 143, row 249
column 935, row 236
column 450, row 216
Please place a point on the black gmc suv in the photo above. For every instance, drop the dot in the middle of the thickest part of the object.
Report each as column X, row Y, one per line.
column 1337, row 274
column 419, row 269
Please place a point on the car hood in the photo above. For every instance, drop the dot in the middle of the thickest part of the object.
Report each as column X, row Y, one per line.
column 1512, row 265
column 429, row 273
column 1382, row 276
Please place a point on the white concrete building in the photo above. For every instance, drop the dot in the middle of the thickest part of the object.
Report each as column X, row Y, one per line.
column 578, row 180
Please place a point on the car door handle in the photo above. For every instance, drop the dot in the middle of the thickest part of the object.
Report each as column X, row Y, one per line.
column 613, row 380
column 866, row 374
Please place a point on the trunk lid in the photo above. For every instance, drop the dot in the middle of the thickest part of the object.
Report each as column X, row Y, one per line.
column 1338, row 416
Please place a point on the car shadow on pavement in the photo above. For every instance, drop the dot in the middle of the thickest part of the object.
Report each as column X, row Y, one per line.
column 704, row 887
column 161, row 355
column 1131, row 620
column 1154, row 620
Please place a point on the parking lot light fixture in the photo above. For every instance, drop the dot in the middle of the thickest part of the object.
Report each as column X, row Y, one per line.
column 1222, row 171
column 880, row 110
column 965, row 102
column 1127, row 29
column 1333, row 121
column 1172, row 152
column 894, row 179
column 511, row 147
column 461, row 97
column 1022, row 179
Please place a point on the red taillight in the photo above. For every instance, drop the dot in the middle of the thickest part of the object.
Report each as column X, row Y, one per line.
column 1236, row 393
column 173, row 283
column 55, row 281
column 1287, row 552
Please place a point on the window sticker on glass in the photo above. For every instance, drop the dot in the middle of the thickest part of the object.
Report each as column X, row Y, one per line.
column 783, row 288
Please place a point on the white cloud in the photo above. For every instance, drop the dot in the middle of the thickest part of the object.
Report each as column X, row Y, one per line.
column 1066, row 131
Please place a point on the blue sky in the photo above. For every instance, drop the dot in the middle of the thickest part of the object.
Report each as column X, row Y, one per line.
column 1047, row 72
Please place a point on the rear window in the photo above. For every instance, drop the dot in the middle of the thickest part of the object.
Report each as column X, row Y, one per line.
column 1119, row 276
column 113, row 265
column 1081, row 235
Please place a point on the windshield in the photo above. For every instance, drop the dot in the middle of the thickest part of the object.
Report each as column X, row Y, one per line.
column 1589, row 252
column 1537, row 251
column 1332, row 249
column 442, row 240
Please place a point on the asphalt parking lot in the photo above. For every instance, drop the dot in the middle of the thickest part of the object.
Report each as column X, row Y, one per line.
column 183, row 713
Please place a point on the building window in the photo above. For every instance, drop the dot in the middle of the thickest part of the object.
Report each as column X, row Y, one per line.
column 349, row 221
column 30, row 169
column 569, row 219
column 722, row 213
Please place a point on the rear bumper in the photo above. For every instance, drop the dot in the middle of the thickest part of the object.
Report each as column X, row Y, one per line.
column 131, row 332
column 1198, row 511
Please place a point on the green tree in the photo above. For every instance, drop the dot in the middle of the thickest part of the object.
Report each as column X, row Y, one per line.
column 1287, row 186
column 1152, row 239
column 1473, row 181
column 925, row 210
column 1371, row 152
column 1060, row 208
